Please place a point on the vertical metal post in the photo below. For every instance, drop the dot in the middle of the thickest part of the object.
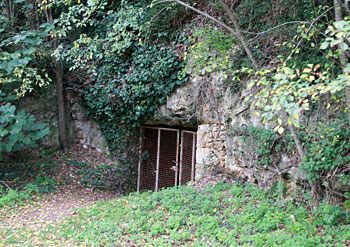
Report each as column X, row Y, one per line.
column 139, row 164
column 181, row 155
column 158, row 155
column 177, row 157
column 193, row 156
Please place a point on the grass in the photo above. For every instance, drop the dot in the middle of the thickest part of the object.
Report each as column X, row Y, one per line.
column 221, row 215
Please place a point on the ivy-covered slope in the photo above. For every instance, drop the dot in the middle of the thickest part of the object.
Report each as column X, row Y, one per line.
column 220, row 215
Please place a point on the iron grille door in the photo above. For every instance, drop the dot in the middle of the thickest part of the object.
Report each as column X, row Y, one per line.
column 187, row 156
column 148, row 169
column 168, row 158
column 166, row 165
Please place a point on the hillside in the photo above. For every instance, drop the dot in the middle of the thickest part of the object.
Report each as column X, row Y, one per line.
column 218, row 214
column 139, row 95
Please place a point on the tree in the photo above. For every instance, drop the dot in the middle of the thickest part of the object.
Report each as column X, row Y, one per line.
column 30, row 41
column 62, row 128
column 286, row 93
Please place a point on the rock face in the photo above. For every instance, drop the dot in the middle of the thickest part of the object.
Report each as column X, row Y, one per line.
column 86, row 131
column 80, row 128
column 44, row 109
column 215, row 108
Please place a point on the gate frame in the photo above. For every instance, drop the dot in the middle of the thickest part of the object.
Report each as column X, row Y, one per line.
column 194, row 133
column 158, row 155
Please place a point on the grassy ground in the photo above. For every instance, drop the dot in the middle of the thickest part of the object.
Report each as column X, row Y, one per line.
column 221, row 215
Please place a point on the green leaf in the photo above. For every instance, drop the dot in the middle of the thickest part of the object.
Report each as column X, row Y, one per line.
column 344, row 46
column 3, row 132
column 17, row 127
column 324, row 45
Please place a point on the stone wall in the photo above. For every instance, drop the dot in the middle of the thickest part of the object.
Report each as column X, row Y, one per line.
column 86, row 131
column 199, row 104
column 81, row 129
column 209, row 104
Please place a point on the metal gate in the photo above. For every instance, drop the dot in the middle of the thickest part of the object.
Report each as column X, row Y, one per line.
column 171, row 158
column 187, row 156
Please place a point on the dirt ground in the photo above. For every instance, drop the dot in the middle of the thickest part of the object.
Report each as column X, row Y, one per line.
column 65, row 201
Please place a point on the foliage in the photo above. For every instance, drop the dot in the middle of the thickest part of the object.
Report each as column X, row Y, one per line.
column 301, row 82
column 164, row 23
column 221, row 215
column 12, row 197
column 44, row 183
column 124, row 74
column 265, row 144
column 109, row 176
column 132, row 96
column 37, row 181
column 19, row 53
column 18, row 129
column 328, row 153
column 293, row 88
column 297, row 91
column 213, row 51
column 131, row 80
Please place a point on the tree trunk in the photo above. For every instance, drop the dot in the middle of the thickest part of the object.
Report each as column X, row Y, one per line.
column 294, row 135
column 31, row 12
column 342, row 58
column 7, row 10
column 314, row 185
column 61, row 108
column 62, row 127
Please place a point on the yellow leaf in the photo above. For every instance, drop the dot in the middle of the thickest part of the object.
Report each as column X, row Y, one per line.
column 290, row 120
column 339, row 35
column 280, row 130
column 307, row 70
column 279, row 121
column 296, row 116
column 257, row 113
column 328, row 106
column 78, row 1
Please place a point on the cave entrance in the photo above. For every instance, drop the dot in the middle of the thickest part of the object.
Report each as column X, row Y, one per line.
column 171, row 157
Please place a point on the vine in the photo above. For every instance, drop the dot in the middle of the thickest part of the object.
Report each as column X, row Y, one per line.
column 125, row 75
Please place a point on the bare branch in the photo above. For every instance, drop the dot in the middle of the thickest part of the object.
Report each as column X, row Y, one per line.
column 4, row 183
column 294, row 134
column 234, row 19
column 231, row 30
column 308, row 30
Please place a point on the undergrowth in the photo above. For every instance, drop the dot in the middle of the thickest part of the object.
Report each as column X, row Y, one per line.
column 221, row 215
column 24, row 180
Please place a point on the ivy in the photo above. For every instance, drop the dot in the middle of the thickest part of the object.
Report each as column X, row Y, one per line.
column 131, row 96
column 126, row 79
column 264, row 145
column 17, row 128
